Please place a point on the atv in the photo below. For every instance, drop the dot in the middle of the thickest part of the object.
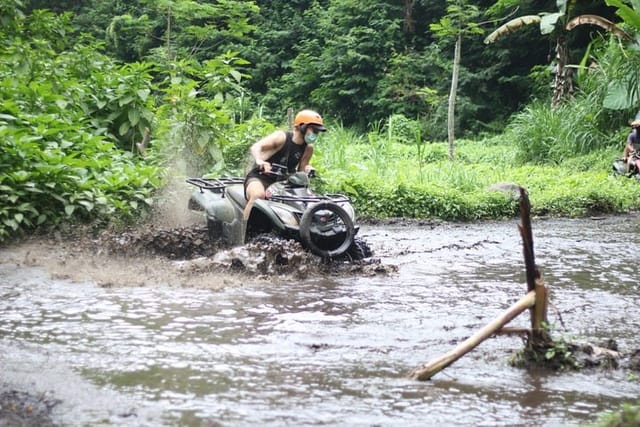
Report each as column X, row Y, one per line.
column 323, row 224
column 620, row 168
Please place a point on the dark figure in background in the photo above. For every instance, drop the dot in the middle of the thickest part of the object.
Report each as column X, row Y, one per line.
column 631, row 154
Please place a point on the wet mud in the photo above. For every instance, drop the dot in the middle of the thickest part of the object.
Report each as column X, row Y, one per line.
column 26, row 410
column 183, row 256
column 147, row 255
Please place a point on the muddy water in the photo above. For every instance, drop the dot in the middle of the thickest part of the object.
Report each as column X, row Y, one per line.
column 333, row 350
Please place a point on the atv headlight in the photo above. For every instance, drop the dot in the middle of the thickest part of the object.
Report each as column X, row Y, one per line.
column 287, row 217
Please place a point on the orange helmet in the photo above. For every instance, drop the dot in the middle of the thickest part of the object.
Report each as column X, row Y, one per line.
column 309, row 117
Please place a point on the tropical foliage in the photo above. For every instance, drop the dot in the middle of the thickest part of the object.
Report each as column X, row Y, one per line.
column 65, row 112
column 75, row 124
column 101, row 97
column 387, row 179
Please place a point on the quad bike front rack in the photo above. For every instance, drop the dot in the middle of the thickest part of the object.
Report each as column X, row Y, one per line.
column 215, row 185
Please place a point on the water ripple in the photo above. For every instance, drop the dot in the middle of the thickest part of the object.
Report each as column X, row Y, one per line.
column 332, row 351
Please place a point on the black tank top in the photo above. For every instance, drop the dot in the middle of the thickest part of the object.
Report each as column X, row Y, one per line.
column 289, row 155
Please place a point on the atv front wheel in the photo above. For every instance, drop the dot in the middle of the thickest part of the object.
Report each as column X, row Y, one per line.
column 326, row 230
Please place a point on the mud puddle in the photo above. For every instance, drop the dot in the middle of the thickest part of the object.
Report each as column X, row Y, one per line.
column 290, row 348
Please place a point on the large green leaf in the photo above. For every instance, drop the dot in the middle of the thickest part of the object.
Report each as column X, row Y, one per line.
column 628, row 15
column 124, row 128
column 143, row 93
column 549, row 21
column 134, row 116
column 511, row 26
column 618, row 98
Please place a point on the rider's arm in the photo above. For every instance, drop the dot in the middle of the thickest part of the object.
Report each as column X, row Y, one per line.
column 304, row 165
column 265, row 147
column 631, row 141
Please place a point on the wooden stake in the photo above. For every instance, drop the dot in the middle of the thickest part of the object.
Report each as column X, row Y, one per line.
column 431, row 368
column 538, row 312
column 539, row 336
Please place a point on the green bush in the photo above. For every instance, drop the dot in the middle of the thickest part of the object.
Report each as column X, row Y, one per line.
column 627, row 416
column 58, row 155
column 72, row 177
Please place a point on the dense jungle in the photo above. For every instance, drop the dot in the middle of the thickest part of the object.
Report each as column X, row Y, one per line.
column 106, row 102
column 109, row 105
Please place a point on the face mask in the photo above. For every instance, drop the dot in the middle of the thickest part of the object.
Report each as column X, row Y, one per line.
column 310, row 138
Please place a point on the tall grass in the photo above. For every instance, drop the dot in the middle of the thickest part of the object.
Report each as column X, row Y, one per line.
column 606, row 101
column 387, row 178
column 331, row 150
column 545, row 135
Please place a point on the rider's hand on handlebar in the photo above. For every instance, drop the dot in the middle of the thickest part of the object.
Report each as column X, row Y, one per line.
column 265, row 167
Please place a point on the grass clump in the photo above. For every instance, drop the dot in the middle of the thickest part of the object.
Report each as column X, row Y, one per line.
column 627, row 416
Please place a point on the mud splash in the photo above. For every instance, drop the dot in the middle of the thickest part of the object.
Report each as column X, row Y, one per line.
column 182, row 256
column 173, row 248
column 22, row 409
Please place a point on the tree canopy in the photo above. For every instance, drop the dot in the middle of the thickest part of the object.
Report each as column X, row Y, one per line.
column 357, row 62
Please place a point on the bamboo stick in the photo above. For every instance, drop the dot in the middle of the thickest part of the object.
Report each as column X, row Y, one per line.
column 429, row 369
column 539, row 335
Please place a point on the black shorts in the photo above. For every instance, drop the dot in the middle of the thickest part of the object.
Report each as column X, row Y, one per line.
column 264, row 179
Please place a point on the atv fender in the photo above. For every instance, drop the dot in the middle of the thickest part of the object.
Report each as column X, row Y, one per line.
column 620, row 166
column 223, row 221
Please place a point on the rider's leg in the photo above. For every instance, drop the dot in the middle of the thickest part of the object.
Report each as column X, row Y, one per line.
column 254, row 190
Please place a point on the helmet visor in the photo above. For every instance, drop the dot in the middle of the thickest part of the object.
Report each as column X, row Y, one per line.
column 317, row 127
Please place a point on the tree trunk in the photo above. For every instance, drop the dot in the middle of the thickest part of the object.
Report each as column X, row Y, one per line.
column 169, row 37
column 452, row 97
column 408, row 24
column 563, row 81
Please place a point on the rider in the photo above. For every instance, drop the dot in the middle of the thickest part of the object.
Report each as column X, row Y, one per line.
column 631, row 152
column 293, row 149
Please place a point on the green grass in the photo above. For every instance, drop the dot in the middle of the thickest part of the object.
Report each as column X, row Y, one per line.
column 387, row 179
column 627, row 416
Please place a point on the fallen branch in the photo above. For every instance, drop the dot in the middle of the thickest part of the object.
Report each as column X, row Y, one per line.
column 431, row 368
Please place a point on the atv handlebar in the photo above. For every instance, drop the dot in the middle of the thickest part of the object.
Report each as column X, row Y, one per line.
column 280, row 172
